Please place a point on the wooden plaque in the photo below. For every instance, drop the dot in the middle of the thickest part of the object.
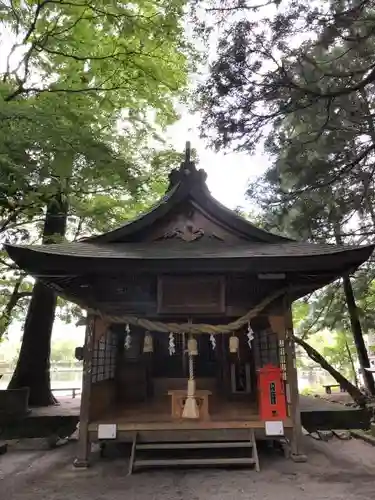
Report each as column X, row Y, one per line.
column 191, row 294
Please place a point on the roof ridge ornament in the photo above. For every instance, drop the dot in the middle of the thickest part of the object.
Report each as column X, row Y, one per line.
column 188, row 164
column 187, row 171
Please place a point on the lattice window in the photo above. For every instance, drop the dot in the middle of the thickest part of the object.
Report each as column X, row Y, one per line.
column 266, row 349
column 104, row 358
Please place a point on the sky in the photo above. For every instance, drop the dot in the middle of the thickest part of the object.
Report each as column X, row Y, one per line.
column 227, row 174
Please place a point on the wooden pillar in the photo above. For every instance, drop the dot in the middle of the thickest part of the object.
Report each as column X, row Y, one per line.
column 83, row 446
column 292, row 388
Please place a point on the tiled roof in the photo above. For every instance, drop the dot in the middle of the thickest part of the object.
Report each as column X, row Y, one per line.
column 187, row 250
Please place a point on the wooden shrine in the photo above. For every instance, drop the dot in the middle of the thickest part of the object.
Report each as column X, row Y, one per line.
column 189, row 334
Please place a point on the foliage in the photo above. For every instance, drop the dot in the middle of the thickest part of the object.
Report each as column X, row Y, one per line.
column 285, row 60
column 136, row 49
column 85, row 92
column 15, row 293
column 342, row 354
column 62, row 350
column 356, row 393
column 89, row 213
column 299, row 78
column 99, row 212
column 334, row 344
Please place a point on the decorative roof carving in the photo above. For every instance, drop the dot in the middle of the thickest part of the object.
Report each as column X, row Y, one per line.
column 187, row 171
column 188, row 232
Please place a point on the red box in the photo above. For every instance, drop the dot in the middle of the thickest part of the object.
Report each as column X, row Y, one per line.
column 271, row 390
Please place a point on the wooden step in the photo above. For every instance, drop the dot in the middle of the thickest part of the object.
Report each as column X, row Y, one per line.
column 194, row 445
column 192, row 461
column 147, row 448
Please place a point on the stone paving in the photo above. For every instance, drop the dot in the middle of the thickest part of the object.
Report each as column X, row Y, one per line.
column 335, row 470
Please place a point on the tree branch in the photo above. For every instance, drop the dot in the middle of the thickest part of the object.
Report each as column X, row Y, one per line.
column 352, row 390
column 32, row 27
column 346, row 169
column 6, row 316
column 240, row 6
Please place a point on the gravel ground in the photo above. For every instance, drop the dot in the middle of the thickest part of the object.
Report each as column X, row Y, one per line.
column 335, row 470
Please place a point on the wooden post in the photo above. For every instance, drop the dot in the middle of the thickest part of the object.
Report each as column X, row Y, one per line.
column 83, row 446
column 297, row 454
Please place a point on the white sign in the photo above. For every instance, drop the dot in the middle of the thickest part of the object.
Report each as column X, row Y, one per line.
column 107, row 431
column 274, row 428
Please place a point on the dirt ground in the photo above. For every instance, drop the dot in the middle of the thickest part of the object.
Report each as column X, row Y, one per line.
column 335, row 470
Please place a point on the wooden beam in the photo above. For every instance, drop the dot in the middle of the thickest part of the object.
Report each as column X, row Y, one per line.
column 292, row 381
column 182, row 425
column 83, row 446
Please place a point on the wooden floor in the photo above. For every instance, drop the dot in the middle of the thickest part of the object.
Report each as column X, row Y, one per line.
column 157, row 415
column 70, row 407
column 316, row 413
column 160, row 411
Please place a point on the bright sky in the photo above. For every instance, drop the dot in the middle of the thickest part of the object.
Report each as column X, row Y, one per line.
column 228, row 174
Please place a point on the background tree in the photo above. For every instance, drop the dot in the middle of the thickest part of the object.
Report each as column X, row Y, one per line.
column 85, row 87
column 301, row 77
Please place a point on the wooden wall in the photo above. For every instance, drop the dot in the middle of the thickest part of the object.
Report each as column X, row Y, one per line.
column 102, row 398
column 141, row 295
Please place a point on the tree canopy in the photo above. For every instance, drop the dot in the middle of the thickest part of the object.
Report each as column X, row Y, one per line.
column 85, row 91
column 298, row 78
column 85, row 87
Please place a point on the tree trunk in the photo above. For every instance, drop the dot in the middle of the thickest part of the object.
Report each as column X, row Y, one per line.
column 356, row 327
column 33, row 365
column 363, row 359
column 354, row 392
column 351, row 361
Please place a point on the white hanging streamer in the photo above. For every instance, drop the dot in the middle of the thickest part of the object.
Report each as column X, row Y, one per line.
column 128, row 337
column 213, row 341
column 171, row 346
column 250, row 334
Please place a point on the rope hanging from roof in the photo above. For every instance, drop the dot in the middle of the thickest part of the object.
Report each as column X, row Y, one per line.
column 192, row 328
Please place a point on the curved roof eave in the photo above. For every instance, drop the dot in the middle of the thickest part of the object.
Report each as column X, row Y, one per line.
column 202, row 198
column 143, row 220
column 62, row 259
column 205, row 200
